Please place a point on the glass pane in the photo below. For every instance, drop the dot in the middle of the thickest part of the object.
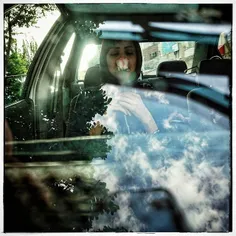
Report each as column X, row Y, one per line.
column 89, row 58
column 104, row 143
column 225, row 45
column 23, row 33
column 157, row 52
column 66, row 53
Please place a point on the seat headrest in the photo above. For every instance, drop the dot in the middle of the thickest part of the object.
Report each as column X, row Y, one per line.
column 92, row 77
column 171, row 66
column 216, row 67
column 212, row 73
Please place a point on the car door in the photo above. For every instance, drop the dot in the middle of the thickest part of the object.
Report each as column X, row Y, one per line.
column 37, row 110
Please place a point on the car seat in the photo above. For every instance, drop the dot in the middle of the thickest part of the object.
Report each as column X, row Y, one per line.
column 214, row 85
column 92, row 77
column 171, row 77
column 172, row 74
column 167, row 67
column 220, row 67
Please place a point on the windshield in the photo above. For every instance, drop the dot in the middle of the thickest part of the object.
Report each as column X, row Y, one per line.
column 153, row 54
column 124, row 123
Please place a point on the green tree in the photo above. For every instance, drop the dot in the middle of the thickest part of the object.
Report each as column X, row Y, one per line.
column 21, row 15
column 17, row 67
column 29, row 49
column 16, row 62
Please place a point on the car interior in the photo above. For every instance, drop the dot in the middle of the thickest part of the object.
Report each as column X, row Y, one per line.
column 181, row 59
column 49, row 93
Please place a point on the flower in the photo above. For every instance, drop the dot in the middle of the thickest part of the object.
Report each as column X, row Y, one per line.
column 122, row 64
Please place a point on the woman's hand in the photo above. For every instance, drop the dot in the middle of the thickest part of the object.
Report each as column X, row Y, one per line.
column 131, row 103
column 96, row 129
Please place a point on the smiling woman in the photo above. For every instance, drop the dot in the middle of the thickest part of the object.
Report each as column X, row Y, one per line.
column 120, row 62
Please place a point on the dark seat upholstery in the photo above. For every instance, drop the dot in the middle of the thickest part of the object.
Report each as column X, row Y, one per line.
column 170, row 67
column 213, row 74
column 92, row 77
column 215, row 67
column 92, row 81
column 168, row 71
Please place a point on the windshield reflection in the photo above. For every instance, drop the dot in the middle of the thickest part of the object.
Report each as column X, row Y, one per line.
column 188, row 155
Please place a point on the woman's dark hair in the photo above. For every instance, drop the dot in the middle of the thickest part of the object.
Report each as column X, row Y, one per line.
column 106, row 76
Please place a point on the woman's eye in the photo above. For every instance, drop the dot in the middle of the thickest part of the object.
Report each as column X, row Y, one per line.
column 129, row 53
column 114, row 54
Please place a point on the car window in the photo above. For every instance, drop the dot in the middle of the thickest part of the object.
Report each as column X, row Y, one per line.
column 225, row 45
column 153, row 54
column 89, row 58
column 66, row 53
column 124, row 123
column 22, row 46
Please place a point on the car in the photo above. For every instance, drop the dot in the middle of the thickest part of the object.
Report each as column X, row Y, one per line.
column 70, row 166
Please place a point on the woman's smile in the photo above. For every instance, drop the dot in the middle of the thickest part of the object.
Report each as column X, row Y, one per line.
column 122, row 57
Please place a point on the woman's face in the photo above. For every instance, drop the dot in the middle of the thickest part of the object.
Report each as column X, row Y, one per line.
column 122, row 58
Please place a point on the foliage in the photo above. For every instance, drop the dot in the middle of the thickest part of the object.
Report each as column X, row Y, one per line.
column 21, row 15
column 29, row 50
column 25, row 15
column 88, row 103
column 86, row 27
column 17, row 65
column 52, row 204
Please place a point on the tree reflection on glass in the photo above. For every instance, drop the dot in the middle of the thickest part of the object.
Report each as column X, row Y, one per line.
column 53, row 204
column 61, row 199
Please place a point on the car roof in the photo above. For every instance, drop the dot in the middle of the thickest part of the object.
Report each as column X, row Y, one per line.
column 154, row 20
column 160, row 12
